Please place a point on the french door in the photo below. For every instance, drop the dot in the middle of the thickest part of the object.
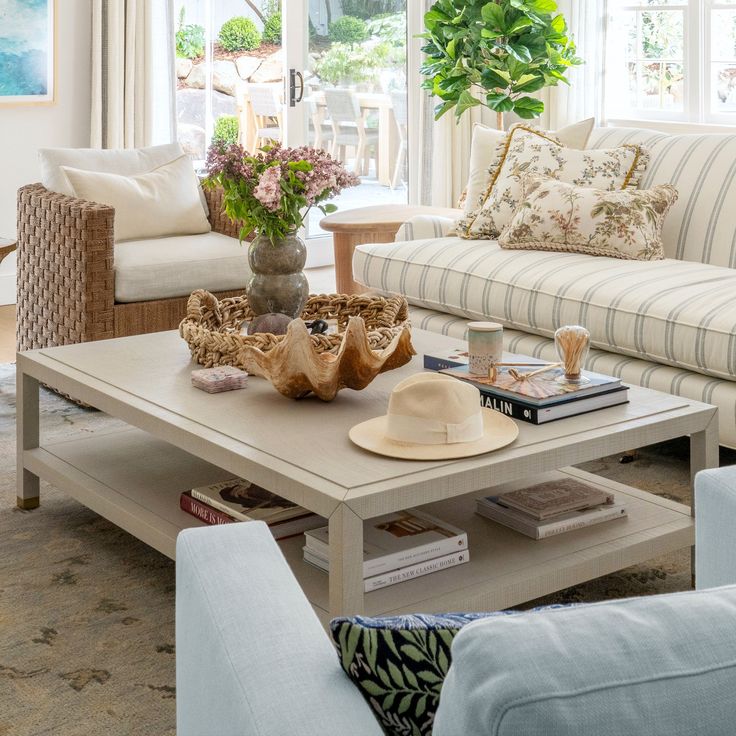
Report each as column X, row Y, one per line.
column 345, row 90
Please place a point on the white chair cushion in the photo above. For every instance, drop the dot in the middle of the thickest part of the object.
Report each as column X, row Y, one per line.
column 670, row 312
column 127, row 162
column 163, row 268
column 159, row 203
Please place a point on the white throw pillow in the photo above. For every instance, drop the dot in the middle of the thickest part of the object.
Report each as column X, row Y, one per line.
column 483, row 152
column 529, row 151
column 160, row 203
column 125, row 161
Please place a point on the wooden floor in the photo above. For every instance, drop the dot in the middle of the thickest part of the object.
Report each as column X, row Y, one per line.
column 321, row 280
column 7, row 333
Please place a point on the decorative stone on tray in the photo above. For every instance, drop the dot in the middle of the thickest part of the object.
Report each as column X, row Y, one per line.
column 272, row 323
column 222, row 378
column 296, row 368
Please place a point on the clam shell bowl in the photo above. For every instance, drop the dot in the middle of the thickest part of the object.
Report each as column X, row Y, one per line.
column 373, row 337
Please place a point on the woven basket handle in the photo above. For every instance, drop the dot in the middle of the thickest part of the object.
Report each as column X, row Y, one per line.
column 201, row 301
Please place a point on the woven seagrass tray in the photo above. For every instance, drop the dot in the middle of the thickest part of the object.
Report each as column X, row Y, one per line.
column 212, row 328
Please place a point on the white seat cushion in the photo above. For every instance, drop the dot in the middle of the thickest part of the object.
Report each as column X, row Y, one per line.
column 162, row 268
column 669, row 312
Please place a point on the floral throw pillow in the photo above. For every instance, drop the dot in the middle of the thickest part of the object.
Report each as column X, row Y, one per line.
column 399, row 664
column 558, row 216
column 527, row 151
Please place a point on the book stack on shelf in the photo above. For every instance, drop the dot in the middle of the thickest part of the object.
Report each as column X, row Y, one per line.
column 397, row 547
column 550, row 508
column 239, row 500
column 537, row 400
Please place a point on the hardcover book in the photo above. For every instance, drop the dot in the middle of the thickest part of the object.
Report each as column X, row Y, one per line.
column 397, row 540
column 542, row 390
column 538, row 529
column 246, row 501
column 552, row 498
column 397, row 576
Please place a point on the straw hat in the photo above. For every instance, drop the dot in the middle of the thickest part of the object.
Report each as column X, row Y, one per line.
column 434, row 417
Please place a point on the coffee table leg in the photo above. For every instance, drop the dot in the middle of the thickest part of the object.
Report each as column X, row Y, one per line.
column 703, row 455
column 346, row 562
column 28, row 492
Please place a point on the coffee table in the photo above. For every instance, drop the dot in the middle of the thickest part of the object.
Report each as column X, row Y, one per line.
column 176, row 437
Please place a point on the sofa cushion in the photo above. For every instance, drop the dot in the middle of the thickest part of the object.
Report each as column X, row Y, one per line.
column 564, row 217
column 701, row 225
column 659, row 665
column 162, row 268
column 127, row 162
column 670, row 312
column 157, row 203
column 483, row 149
column 529, row 151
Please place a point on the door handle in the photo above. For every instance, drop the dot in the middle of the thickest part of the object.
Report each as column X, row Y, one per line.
column 295, row 78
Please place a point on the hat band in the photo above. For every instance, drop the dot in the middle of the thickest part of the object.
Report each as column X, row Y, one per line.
column 418, row 431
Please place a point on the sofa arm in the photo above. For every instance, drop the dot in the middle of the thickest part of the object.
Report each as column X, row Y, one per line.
column 219, row 221
column 251, row 655
column 425, row 226
column 715, row 522
column 66, row 287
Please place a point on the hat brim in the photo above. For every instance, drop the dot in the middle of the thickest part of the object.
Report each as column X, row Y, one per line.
column 498, row 431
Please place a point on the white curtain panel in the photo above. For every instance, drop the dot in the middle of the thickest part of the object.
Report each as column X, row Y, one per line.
column 583, row 98
column 133, row 73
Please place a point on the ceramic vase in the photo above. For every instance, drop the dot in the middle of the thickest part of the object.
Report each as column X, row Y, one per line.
column 278, row 283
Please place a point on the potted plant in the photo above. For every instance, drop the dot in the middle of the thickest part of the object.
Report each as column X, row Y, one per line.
column 495, row 54
column 270, row 194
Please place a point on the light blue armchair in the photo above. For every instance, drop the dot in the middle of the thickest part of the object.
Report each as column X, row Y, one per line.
column 253, row 660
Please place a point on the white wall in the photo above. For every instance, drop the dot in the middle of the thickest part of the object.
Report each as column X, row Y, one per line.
column 26, row 128
column 66, row 123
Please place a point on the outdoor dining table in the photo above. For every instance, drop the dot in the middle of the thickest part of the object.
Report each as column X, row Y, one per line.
column 388, row 137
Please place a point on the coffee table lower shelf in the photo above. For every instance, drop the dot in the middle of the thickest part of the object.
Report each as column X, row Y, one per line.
column 134, row 480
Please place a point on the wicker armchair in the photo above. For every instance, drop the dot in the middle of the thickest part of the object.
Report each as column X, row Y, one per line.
column 66, row 288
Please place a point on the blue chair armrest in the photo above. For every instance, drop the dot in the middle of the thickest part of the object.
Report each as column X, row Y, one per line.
column 251, row 655
column 715, row 527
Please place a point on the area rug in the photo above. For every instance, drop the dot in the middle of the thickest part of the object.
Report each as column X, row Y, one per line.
column 87, row 611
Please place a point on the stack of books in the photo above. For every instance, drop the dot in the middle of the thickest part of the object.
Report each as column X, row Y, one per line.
column 397, row 547
column 239, row 500
column 538, row 400
column 550, row 508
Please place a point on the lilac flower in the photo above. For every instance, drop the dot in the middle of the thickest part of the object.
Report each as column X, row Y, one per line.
column 268, row 189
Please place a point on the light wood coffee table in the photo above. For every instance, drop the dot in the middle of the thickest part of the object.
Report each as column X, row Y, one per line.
column 178, row 437
column 376, row 224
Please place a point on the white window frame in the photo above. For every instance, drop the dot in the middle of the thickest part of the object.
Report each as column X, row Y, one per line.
column 697, row 64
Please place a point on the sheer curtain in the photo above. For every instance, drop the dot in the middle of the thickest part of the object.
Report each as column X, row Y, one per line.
column 440, row 170
column 583, row 98
column 133, row 74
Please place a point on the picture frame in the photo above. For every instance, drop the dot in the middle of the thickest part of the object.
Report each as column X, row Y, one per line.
column 28, row 52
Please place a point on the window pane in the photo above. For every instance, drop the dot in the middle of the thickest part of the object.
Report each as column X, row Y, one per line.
column 662, row 34
column 724, row 87
column 660, row 86
column 723, row 44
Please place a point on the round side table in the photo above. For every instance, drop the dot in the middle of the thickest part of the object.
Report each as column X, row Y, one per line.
column 7, row 246
column 377, row 224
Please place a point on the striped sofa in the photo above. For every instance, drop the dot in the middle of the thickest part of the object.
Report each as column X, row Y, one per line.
column 669, row 325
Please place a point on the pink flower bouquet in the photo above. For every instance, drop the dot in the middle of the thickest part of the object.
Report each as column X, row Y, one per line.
column 272, row 191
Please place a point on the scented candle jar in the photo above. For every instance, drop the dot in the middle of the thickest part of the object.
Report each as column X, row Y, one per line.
column 485, row 346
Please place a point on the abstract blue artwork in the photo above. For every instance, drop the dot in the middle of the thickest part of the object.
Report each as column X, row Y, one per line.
column 26, row 51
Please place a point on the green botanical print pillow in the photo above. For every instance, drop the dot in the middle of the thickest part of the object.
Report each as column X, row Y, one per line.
column 399, row 664
column 557, row 216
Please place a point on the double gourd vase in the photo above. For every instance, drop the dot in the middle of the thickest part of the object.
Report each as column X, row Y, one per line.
column 278, row 283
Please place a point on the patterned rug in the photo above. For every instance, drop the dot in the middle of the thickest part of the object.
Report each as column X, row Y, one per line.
column 87, row 611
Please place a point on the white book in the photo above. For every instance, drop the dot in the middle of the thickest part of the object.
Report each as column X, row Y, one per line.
column 401, row 575
column 521, row 522
column 396, row 540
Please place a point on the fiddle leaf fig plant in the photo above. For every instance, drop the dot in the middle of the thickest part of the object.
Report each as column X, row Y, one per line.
column 495, row 54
